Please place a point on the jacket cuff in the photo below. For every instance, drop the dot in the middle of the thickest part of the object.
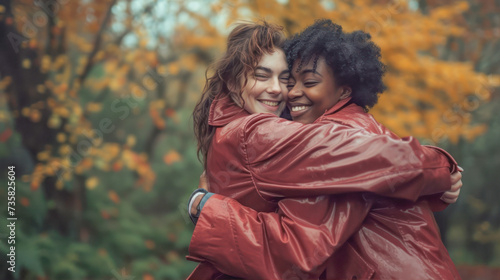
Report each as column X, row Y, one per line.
column 222, row 246
column 436, row 180
column 435, row 202
column 437, row 175
column 204, row 200
column 451, row 160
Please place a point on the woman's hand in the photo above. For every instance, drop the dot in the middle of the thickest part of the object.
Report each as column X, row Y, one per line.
column 451, row 196
column 203, row 181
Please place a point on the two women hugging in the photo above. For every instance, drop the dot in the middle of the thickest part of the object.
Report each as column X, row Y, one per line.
column 303, row 183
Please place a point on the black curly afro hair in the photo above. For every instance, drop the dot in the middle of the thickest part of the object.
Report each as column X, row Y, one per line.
column 353, row 57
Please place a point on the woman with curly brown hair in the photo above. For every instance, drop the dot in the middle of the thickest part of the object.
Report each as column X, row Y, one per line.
column 285, row 196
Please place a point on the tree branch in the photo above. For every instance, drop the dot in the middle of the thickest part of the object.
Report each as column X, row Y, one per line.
column 97, row 44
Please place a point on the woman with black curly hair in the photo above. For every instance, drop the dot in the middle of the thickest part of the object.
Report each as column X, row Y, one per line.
column 352, row 59
column 338, row 76
column 254, row 226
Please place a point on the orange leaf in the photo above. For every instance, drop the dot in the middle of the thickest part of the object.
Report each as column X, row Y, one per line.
column 87, row 163
column 174, row 68
column 91, row 183
column 35, row 184
column 131, row 140
column 25, row 201
column 94, row 107
column 114, row 196
column 172, row 157
column 5, row 135
column 35, row 115
column 170, row 113
column 61, row 137
column 117, row 166
column 105, row 214
column 26, row 63
column 147, row 276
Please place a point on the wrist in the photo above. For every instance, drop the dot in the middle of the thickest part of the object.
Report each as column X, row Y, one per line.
column 196, row 202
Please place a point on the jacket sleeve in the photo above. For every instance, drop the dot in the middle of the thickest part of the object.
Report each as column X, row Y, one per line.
column 296, row 241
column 435, row 202
column 289, row 159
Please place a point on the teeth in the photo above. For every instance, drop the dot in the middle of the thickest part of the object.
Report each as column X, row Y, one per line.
column 298, row 108
column 271, row 103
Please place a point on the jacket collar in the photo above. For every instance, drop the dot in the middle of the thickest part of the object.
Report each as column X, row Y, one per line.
column 336, row 108
column 223, row 110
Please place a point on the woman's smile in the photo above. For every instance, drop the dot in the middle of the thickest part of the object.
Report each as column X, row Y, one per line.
column 270, row 103
column 297, row 110
column 263, row 92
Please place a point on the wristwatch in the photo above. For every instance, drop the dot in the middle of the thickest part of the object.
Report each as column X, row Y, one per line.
column 194, row 218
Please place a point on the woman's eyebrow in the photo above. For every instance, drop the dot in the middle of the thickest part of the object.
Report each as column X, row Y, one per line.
column 268, row 70
column 287, row 71
column 310, row 70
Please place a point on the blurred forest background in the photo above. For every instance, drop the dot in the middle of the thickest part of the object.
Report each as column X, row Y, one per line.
column 95, row 104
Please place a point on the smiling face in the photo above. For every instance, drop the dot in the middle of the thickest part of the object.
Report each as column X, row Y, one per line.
column 312, row 92
column 266, row 86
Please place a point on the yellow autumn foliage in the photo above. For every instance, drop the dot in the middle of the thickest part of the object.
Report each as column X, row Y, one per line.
column 91, row 183
column 172, row 157
column 419, row 83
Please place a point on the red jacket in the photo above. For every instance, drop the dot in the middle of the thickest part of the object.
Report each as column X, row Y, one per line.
column 250, row 230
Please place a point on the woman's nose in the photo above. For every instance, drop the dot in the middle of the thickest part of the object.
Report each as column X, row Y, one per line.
column 294, row 92
column 274, row 87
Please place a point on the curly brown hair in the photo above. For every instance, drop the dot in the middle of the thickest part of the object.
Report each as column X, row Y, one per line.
column 353, row 57
column 246, row 44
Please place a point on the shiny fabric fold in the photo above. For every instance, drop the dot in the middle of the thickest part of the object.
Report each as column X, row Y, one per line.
column 320, row 201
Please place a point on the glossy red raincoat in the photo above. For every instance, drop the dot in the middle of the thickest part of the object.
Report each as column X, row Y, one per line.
column 319, row 201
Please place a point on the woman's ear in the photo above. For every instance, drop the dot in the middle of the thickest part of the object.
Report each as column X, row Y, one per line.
column 346, row 92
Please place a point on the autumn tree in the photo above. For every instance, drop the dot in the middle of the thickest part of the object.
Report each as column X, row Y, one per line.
column 97, row 113
column 472, row 230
